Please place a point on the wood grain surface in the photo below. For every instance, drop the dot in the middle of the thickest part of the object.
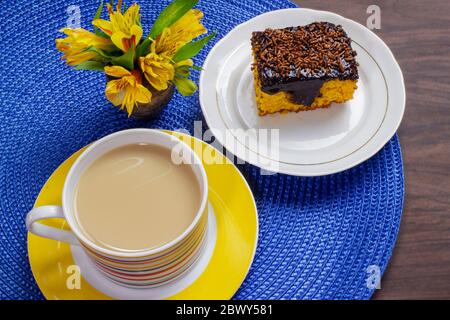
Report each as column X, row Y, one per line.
column 418, row 33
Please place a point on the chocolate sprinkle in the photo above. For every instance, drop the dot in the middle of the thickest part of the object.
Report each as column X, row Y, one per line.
column 317, row 51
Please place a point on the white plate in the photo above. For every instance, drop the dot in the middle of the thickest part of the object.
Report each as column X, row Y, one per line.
column 311, row 143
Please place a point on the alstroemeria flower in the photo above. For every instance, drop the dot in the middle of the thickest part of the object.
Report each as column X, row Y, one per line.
column 157, row 65
column 181, row 32
column 77, row 41
column 124, row 28
column 157, row 70
column 127, row 90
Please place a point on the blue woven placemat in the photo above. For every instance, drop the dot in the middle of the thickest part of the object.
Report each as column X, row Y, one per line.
column 317, row 235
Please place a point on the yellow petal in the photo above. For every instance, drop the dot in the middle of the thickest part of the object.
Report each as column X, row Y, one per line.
column 114, row 93
column 103, row 25
column 165, row 44
column 129, row 101
column 187, row 62
column 117, row 38
column 143, row 95
column 117, row 71
column 191, row 23
column 132, row 14
column 136, row 31
column 75, row 59
column 60, row 45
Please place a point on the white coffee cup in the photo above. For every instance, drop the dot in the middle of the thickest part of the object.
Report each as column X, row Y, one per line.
column 147, row 267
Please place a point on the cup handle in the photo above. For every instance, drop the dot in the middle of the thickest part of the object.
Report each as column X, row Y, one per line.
column 47, row 212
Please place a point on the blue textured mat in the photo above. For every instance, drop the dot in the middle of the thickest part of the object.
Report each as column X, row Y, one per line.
column 317, row 235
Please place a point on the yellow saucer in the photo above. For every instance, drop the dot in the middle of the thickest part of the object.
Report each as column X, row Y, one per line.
column 237, row 234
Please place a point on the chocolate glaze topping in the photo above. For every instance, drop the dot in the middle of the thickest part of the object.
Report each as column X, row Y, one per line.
column 299, row 60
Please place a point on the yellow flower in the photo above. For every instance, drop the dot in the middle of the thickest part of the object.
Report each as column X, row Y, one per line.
column 124, row 29
column 77, row 41
column 181, row 32
column 157, row 65
column 127, row 90
column 157, row 70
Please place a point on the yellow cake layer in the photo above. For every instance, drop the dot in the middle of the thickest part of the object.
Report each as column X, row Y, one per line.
column 332, row 91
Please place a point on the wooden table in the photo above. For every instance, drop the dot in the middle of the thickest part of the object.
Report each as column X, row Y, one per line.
column 418, row 33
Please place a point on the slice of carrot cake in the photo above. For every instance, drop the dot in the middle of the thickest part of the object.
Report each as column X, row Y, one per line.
column 303, row 68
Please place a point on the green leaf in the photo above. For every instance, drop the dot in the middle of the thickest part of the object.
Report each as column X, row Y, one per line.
column 185, row 86
column 90, row 65
column 126, row 60
column 170, row 15
column 197, row 68
column 192, row 48
column 142, row 48
column 97, row 15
